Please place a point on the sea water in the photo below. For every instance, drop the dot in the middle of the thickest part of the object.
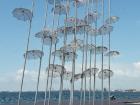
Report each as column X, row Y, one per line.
column 11, row 97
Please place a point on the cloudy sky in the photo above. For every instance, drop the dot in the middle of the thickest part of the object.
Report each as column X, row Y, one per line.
column 13, row 33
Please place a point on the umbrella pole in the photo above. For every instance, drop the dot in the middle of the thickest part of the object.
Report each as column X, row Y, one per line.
column 46, row 5
column 109, row 80
column 53, row 67
column 86, row 59
column 63, row 62
column 47, row 70
column 85, row 68
column 51, row 78
column 83, row 56
column 73, row 62
column 94, row 84
column 90, row 66
column 83, row 78
column 95, row 56
column 25, row 61
column 102, row 63
column 38, row 78
column 90, row 75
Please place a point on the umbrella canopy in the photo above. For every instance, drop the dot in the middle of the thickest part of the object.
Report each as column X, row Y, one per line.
column 34, row 54
column 112, row 19
column 91, row 17
column 22, row 14
column 90, row 72
column 47, row 36
column 105, row 29
column 100, row 49
column 60, row 9
column 106, row 74
column 112, row 53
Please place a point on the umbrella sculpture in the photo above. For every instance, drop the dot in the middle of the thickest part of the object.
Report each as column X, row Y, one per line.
column 76, row 21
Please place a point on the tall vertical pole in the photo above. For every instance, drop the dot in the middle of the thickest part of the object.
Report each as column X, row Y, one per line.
column 47, row 81
column 95, row 55
column 83, row 56
column 38, row 78
column 63, row 59
column 86, row 50
column 53, row 35
column 85, row 67
column 90, row 73
column 102, row 63
column 74, row 55
column 90, row 62
column 52, row 72
column 109, row 80
column 42, row 48
column 47, row 70
column 25, row 61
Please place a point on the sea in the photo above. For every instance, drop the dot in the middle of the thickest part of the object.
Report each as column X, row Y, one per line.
column 12, row 97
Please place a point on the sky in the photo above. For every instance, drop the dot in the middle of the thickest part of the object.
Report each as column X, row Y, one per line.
column 13, row 37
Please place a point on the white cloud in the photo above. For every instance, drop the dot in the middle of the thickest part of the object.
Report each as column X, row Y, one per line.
column 30, row 74
column 125, row 76
column 127, row 70
column 137, row 65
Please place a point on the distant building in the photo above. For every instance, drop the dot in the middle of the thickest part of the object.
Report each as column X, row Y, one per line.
column 131, row 90
column 119, row 90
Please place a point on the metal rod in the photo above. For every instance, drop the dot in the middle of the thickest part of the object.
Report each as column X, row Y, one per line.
column 86, row 57
column 83, row 56
column 73, row 61
column 61, row 87
column 109, row 80
column 90, row 73
column 42, row 48
column 85, row 67
column 63, row 61
column 38, row 78
column 90, row 63
column 83, row 59
column 102, row 63
column 51, row 77
column 45, row 25
column 25, row 61
column 47, row 80
column 94, row 72
column 53, row 67
column 95, row 56
column 55, row 49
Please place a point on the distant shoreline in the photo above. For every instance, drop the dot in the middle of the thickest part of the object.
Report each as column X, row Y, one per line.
column 117, row 102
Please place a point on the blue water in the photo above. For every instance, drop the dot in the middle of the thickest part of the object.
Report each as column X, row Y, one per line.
column 11, row 97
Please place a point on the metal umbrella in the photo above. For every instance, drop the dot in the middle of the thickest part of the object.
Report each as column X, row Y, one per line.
column 48, row 38
column 105, row 29
column 109, row 55
column 33, row 54
column 106, row 74
column 57, row 10
column 24, row 15
column 91, row 17
column 90, row 71
column 111, row 20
